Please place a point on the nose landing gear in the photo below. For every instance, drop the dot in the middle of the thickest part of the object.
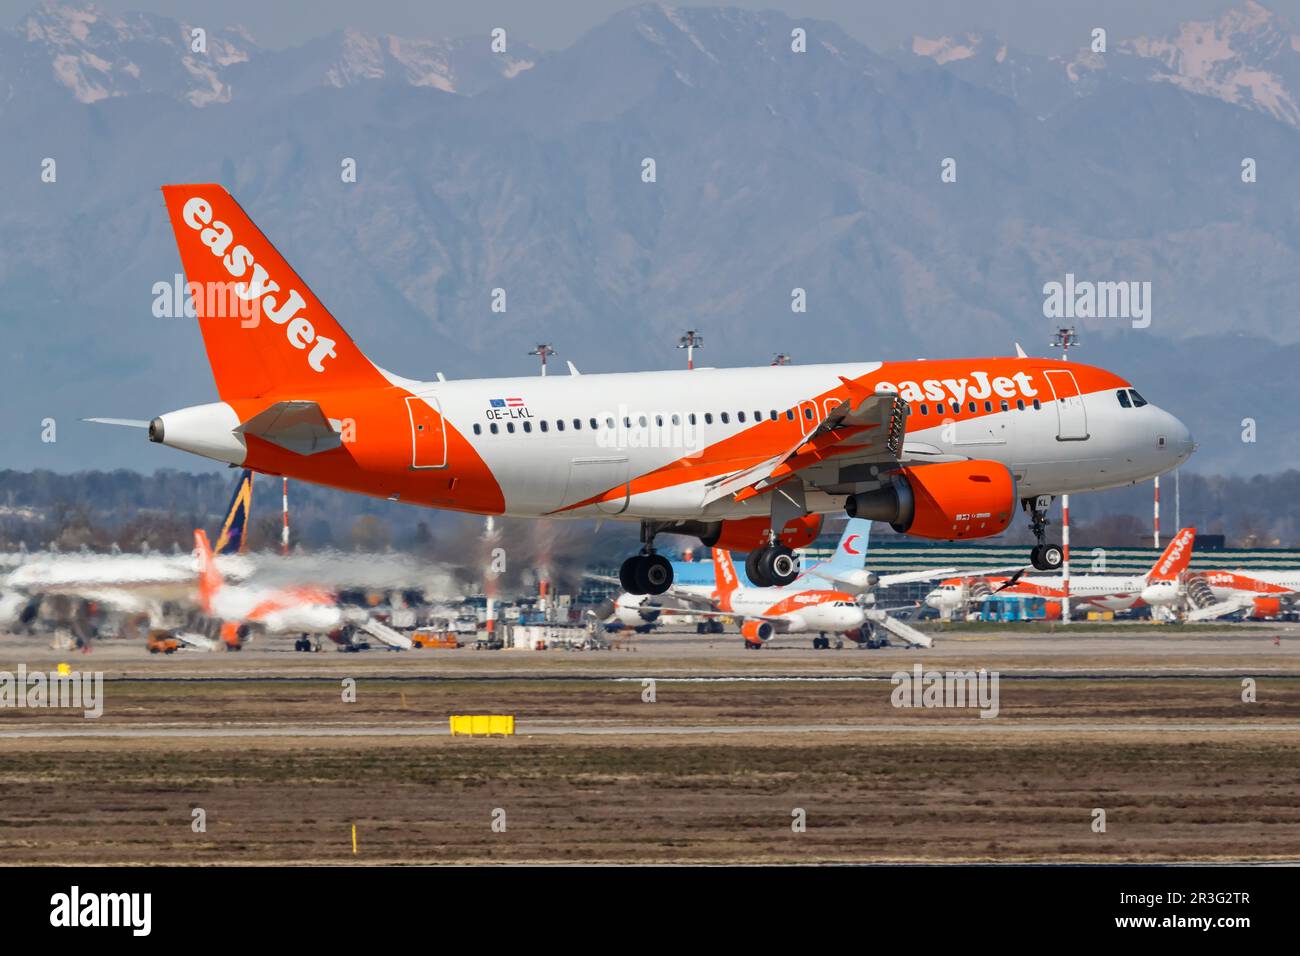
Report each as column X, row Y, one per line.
column 1043, row 556
column 647, row 572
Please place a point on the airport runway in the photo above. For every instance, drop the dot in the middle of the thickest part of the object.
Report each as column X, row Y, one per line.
column 530, row 728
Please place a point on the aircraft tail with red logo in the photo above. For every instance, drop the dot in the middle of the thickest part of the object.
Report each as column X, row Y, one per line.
column 210, row 581
column 725, row 579
column 1175, row 558
column 265, row 332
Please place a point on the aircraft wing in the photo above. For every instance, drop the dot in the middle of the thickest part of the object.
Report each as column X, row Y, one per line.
column 907, row 577
column 864, row 426
column 779, row 622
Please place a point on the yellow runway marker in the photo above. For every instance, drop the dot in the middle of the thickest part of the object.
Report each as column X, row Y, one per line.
column 354, row 839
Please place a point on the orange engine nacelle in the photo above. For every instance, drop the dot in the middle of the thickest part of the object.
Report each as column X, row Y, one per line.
column 757, row 632
column 1267, row 607
column 746, row 534
column 946, row 501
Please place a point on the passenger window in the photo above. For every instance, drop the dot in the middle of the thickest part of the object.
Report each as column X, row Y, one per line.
column 789, row 414
column 594, row 426
column 1020, row 404
column 478, row 429
column 1037, row 404
column 609, row 422
column 740, row 417
column 659, row 421
column 642, row 421
column 691, row 418
column 988, row 406
column 1122, row 395
column 925, row 409
column 677, row 419
column 528, row 426
column 543, row 426
column 956, row 408
column 758, row 416
column 559, row 424
column 726, row 419
column 1005, row 406
column 577, row 424
column 1138, row 400
column 971, row 406
column 807, row 413
column 510, row 427
column 493, row 428
column 774, row 414
column 708, row 418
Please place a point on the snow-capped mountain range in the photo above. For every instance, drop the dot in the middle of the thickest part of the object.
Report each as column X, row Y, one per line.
column 94, row 55
column 775, row 171
column 1248, row 57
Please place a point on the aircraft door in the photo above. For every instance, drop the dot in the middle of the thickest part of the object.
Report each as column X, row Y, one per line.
column 428, row 439
column 1071, row 416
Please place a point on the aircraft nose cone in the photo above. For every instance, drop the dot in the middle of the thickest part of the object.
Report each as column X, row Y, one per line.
column 1181, row 441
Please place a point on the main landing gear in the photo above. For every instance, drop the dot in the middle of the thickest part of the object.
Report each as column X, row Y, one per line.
column 772, row 566
column 647, row 572
column 1043, row 556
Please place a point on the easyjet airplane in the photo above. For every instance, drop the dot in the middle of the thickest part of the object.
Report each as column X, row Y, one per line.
column 746, row 459
column 1107, row 592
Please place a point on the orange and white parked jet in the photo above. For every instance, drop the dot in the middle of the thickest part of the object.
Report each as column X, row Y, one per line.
column 303, row 611
column 1265, row 595
column 1107, row 592
column 766, row 612
column 745, row 459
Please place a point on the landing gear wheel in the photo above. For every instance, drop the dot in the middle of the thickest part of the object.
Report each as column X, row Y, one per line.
column 780, row 564
column 654, row 574
column 1045, row 557
column 754, row 568
column 627, row 574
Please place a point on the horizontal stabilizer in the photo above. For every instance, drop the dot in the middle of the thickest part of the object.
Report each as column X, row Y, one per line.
column 128, row 422
column 297, row 426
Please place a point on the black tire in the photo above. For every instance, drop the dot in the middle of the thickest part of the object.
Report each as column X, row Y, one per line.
column 628, row 573
column 1036, row 557
column 754, row 567
column 781, row 566
column 654, row 574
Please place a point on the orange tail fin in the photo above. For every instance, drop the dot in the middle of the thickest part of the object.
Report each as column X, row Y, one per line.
column 264, row 330
column 725, row 578
column 209, row 576
column 1176, row 557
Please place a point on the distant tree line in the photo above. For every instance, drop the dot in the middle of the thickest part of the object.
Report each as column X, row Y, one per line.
column 100, row 509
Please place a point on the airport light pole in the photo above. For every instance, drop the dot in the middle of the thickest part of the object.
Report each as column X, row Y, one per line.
column 543, row 349
column 284, row 512
column 1065, row 338
column 690, row 340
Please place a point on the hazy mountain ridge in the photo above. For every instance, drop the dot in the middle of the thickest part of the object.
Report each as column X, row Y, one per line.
column 775, row 171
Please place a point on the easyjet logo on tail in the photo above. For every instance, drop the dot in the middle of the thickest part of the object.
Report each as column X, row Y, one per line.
column 1176, row 557
column 257, row 284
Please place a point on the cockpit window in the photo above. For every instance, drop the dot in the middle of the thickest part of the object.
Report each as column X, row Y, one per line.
column 1122, row 395
column 1138, row 400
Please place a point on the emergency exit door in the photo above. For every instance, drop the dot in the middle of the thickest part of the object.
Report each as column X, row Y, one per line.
column 428, row 439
